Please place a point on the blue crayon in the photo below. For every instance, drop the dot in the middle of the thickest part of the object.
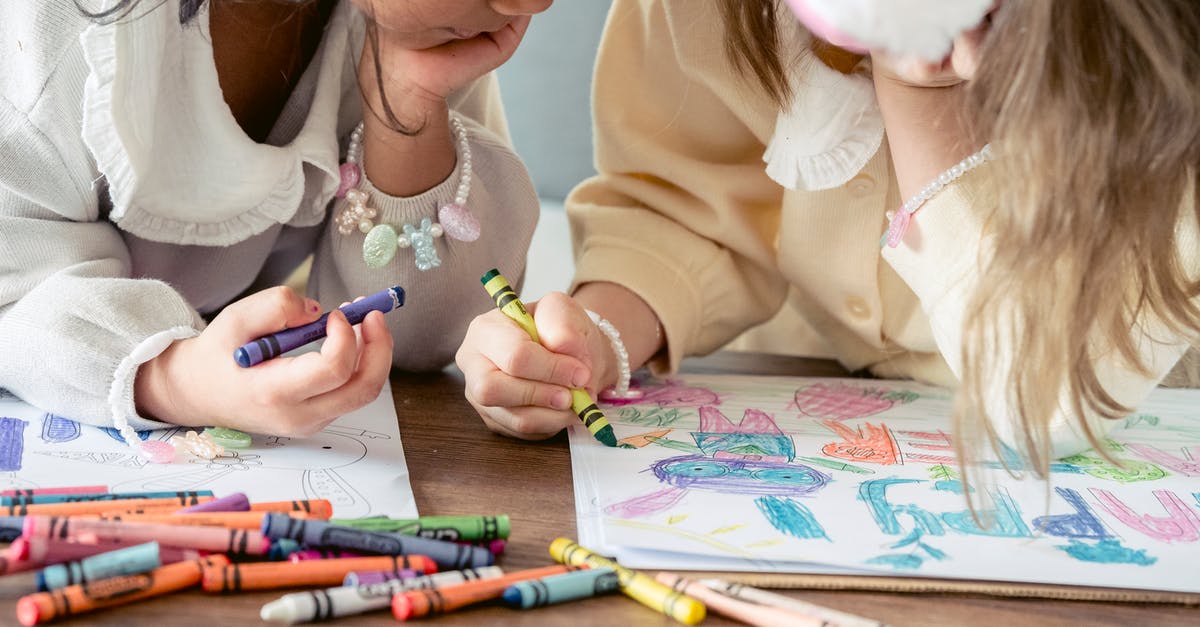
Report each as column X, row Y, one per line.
column 131, row 560
column 42, row 499
column 10, row 527
column 579, row 584
column 317, row 534
column 281, row 550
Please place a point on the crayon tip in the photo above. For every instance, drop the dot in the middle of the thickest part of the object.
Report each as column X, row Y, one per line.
column 606, row 436
column 275, row 612
column 491, row 274
column 402, row 607
column 511, row 595
column 28, row 612
column 242, row 357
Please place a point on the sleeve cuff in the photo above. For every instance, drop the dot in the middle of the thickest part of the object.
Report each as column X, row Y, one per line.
column 120, row 396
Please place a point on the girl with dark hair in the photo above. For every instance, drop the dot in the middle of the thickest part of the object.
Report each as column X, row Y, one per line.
column 996, row 196
column 165, row 161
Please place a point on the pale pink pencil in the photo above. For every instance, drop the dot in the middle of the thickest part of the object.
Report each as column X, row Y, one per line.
column 749, row 613
column 39, row 552
column 214, row 539
column 763, row 597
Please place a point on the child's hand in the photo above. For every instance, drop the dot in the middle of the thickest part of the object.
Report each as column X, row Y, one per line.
column 196, row 382
column 521, row 388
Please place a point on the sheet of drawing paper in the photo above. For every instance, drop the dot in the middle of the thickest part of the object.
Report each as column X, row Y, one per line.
column 723, row 472
column 357, row 462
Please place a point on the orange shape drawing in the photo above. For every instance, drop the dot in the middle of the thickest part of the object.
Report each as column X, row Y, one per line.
column 875, row 446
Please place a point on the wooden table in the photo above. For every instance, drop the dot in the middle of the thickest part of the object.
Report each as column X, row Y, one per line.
column 459, row 467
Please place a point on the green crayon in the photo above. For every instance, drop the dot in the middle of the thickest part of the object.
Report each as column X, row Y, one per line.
column 581, row 402
column 452, row 528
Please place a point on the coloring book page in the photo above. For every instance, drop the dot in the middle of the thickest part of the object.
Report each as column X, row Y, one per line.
column 858, row 476
column 357, row 462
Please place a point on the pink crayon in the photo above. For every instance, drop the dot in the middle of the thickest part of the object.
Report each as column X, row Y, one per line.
column 236, row 502
column 81, row 489
column 372, row 577
column 39, row 552
column 214, row 539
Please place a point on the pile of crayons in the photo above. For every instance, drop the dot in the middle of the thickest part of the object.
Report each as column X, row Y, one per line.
column 91, row 549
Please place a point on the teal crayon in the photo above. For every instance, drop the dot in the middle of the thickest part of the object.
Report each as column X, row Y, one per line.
column 130, row 560
column 450, row 528
column 581, row 402
column 580, row 584
column 42, row 499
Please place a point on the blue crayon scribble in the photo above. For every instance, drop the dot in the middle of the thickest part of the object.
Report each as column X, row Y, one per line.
column 12, row 443
column 116, row 435
column 949, row 485
column 1081, row 524
column 59, row 429
column 874, row 493
column 790, row 517
column 1107, row 552
column 898, row 561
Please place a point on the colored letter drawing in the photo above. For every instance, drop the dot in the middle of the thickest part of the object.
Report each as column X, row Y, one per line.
column 357, row 463
column 724, row 472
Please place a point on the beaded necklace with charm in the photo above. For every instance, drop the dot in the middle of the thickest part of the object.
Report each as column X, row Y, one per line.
column 381, row 241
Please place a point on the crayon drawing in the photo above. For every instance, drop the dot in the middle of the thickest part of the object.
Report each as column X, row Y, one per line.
column 357, row 463
column 853, row 476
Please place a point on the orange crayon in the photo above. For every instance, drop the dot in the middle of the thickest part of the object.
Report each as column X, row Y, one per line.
column 315, row 508
column 330, row 572
column 43, row 607
column 98, row 507
column 229, row 520
column 214, row 539
column 419, row 603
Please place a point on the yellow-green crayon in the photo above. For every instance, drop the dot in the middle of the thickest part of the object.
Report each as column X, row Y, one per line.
column 639, row 587
column 581, row 402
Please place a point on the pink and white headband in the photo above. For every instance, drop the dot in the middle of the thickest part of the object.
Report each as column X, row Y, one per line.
column 922, row 28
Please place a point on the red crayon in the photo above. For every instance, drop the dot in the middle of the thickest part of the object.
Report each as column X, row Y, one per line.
column 213, row 539
column 82, row 489
column 44, row 607
column 418, row 603
column 30, row 553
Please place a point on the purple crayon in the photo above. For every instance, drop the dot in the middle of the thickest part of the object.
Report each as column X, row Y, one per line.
column 276, row 344
column 318, row 534
column 372, row 577
column 236, row 502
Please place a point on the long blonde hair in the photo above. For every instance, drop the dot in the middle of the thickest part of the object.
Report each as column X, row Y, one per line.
column 1094, row 106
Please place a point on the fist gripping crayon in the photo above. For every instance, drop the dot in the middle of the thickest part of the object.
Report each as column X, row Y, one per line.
column 419, row 603
column 638, row 586
column 318, row 534
column 44, row 607
column 330, row 572
column 581, row 402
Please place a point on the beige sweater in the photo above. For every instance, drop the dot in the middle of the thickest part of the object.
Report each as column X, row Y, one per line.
column 683, row 214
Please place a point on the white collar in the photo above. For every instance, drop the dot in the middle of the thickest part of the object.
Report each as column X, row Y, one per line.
column 832, row 127
column 179, row 168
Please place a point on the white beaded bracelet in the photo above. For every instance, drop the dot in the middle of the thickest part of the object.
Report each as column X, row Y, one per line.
column 620, row 390
column 899, row 220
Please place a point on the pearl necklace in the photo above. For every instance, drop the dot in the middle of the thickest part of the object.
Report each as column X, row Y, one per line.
column 382, row 240
column 899, row 220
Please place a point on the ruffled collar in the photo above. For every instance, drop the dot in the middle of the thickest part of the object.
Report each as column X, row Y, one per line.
column 179, row 168
column 832, row 127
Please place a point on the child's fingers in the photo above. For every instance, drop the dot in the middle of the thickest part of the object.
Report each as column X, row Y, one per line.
column 364, row 385
column 313, row 373
column 527, row 423
column 489, row 387
column 564, row 326
column 265, row 312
